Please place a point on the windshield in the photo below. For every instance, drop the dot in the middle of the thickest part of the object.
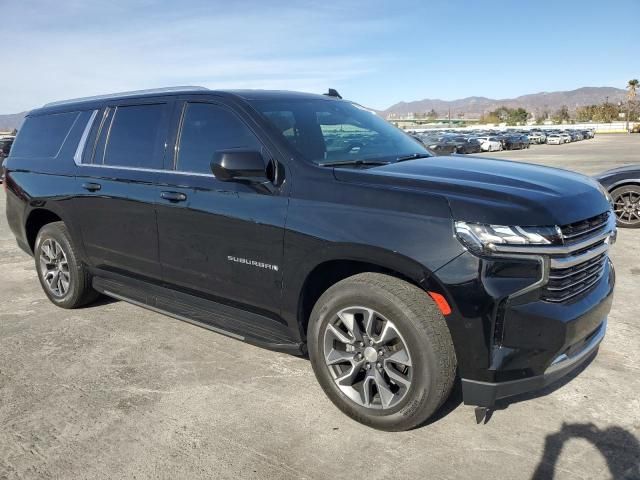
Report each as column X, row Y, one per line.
column 333, row 131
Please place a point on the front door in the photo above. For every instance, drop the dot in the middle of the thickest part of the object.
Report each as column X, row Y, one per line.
column 220, row 239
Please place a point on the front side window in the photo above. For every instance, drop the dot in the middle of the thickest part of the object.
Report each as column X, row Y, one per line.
column 136, row 136
column 42, row 136
column 206, row 129
column 328, row 131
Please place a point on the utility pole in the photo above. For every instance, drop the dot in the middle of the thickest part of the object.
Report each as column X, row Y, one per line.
column 449, row 117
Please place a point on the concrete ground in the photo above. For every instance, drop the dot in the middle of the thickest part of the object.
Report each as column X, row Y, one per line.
column 116, row 391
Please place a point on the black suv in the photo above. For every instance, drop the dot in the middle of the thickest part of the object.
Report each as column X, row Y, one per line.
column 307, row 224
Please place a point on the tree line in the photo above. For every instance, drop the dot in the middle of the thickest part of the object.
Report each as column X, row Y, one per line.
column 605, row 112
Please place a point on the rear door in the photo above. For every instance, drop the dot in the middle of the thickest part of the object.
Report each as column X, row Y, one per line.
column 220, row 239
column 116, row 176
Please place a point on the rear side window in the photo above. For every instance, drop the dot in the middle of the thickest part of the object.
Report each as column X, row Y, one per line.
column 136, row 136
column 207, row 128
column 43, row 136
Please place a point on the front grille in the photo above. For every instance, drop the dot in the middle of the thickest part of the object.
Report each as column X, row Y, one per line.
column 579, row 230
column 567, row 283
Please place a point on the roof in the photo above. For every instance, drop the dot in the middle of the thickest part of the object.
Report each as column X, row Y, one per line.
column 133, row 93
column 244, row 94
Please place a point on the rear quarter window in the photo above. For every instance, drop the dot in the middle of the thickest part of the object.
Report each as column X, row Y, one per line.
column 42, row 136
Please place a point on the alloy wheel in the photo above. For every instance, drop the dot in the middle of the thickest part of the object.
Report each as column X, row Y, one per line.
column 627, row 207
column 368, row 358
column 54, row 268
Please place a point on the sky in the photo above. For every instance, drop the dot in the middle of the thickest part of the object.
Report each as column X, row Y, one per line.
column 374, row 52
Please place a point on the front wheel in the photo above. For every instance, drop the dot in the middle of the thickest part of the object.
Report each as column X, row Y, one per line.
column 381, row 351
column 626, row 205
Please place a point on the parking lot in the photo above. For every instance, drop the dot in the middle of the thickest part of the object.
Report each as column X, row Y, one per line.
column 116, row 391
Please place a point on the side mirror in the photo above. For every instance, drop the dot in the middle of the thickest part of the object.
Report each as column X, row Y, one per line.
column 239, row 165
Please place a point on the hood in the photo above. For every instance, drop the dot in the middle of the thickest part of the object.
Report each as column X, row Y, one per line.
column 623, row 169
column 492, row 191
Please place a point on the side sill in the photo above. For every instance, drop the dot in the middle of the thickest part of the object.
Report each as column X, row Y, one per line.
column 249, row 327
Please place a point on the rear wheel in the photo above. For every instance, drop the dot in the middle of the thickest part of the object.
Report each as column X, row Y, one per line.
column 381, row 351
column 626, row 205
column 64, row 279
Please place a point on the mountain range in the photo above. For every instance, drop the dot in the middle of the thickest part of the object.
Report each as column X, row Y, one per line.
column 470, row 107
column 536, row 103
column 11, row 121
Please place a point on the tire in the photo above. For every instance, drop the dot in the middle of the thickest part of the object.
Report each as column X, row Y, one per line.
column 626, row 200
column 53, row 250
column 421, row 330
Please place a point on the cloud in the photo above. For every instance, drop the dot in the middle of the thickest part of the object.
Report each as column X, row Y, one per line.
column 76, row 49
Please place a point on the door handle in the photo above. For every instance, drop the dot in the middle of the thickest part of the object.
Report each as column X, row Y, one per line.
column 173, row 196
column 92, row 187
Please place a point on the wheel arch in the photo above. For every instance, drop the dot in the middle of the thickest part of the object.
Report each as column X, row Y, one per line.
column 332, row 270
column 624, row 183
column 38, row 218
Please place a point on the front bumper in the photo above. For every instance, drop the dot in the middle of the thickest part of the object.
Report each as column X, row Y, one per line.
column 519, row 324
column 485, row 394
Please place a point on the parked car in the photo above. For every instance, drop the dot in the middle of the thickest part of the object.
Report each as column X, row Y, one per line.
column 623, row 184
column 467, row 145
column 566, row 137
column 490, row 144
column 439, row 146
column 5, row 149
column 554, row 139
column 514, row 142
column 536, row 137
column 246, row 213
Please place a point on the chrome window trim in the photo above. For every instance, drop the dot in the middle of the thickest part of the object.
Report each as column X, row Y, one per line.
column 108, row 135
column 77, row 157
column 139, row 169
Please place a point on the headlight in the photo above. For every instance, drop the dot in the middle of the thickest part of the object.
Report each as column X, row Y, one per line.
column 481, row 239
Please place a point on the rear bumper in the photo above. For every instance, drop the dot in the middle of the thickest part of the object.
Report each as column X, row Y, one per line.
column 485, row 394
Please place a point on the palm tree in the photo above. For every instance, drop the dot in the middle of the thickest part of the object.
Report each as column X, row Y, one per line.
column 632, row 85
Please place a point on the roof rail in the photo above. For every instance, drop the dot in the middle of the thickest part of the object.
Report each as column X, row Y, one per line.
column 133, row 93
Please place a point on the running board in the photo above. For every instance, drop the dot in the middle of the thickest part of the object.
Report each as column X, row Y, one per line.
column 226, row 320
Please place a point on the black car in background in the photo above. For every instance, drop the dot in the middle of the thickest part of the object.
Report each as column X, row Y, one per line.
column 308, row 224
column 467, row 145
column 623, row 184
column 5, row 149
column 515, row 142
column 438, row 145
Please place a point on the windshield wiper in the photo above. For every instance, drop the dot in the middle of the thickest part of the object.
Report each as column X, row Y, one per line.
column 413, row 156
column 357, row 163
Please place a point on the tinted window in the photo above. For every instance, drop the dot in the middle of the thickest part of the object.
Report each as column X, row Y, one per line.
column 43, row 136
column 206, row 129
column 136, row 136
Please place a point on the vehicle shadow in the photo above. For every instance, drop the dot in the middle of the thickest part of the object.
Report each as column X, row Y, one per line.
column 620, row 449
